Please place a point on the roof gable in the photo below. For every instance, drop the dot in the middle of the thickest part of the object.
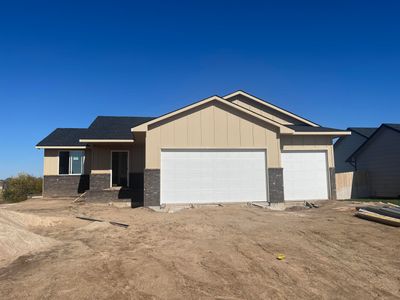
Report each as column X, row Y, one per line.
column 145, row 126
column 270, row 106
column 394, row 127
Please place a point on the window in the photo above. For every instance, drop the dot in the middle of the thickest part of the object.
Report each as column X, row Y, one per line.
column 71, row 162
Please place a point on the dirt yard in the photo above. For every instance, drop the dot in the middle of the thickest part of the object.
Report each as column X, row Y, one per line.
column 224, row 252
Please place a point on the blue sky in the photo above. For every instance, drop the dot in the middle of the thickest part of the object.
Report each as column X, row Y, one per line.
column 64, row 62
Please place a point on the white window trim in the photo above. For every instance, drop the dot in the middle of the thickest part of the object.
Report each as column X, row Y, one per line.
column 70, row 164
column 127, row 169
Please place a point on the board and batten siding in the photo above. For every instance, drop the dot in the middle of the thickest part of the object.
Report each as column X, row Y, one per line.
column 101, row 157
column 381, row 159
column 213, row 125
column 51, row 161
column 264, row 110
column 309, row 143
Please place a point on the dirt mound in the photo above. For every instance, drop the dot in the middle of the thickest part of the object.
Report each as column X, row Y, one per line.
column 26, row 220
column 15, row 237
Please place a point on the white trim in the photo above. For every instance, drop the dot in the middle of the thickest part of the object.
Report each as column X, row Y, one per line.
column 335, row 133
column 106, row 141
column 281, row 110
column 61, row 147
column 127, row 169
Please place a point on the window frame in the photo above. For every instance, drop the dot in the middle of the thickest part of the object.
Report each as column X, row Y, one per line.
column 83, row 158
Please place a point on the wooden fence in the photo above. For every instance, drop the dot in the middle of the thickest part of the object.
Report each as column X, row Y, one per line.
column 352, row 185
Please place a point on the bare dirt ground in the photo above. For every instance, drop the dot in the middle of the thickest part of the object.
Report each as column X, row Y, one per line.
column 224, row 252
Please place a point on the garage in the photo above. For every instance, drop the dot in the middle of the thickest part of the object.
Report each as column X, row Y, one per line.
column 212, row 175
column 305, row 175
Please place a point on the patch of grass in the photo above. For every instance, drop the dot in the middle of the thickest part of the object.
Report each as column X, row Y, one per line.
column 393, row 201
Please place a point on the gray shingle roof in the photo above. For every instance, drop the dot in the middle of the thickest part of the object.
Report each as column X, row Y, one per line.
column 393, row 126
column 104, row 127
column 63, row 137
column 364, row 131
column 101, row 128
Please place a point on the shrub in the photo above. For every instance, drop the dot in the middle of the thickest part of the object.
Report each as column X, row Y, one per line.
column 20, row 187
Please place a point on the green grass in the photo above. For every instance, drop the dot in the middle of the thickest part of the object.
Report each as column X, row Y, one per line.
column 393, row 201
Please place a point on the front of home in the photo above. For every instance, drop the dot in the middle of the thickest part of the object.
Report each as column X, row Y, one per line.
column 236, row 148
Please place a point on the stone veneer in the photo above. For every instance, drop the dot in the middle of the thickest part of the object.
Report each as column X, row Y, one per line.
column 151, row 187
column 332, row 181
column 99, row 181
column 65, row 185
column 275, row 185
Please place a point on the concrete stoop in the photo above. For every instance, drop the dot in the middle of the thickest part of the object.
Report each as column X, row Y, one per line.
column 121, row 196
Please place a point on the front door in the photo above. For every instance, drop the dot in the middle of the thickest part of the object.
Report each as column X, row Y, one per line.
column 119, row 161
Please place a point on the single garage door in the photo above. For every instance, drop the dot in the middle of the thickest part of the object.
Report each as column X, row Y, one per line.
column 207, row 176
column 305, row 175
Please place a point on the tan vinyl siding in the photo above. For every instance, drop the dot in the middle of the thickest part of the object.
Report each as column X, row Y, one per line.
column 309, row 143
column 381, row 160
column 50, row 166
column 213, row 125
column 101, row 157
column 264, row 110
column 50, row 161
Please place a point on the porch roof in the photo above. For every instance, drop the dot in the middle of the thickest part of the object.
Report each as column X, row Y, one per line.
column 63, row 137
column 103, row 129
column 117, row 129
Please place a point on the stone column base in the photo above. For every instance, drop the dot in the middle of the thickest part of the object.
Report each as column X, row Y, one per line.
column 151, row 187
column 275, row 184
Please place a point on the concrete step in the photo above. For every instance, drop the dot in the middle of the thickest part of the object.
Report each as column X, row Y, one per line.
column 114, row 195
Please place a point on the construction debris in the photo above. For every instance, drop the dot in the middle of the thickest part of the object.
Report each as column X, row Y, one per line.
column 385, row 214
column 310, row 204
column 98, row 220
column 258, row 204
column 80, row 198
column 280, row 256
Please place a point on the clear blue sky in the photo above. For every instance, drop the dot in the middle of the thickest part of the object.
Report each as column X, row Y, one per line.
column 64, row 62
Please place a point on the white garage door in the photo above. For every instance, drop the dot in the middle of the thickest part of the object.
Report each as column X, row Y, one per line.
column 305, row 175
column 207, row 176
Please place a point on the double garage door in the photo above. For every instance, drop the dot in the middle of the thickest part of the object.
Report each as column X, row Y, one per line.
column 207, row 176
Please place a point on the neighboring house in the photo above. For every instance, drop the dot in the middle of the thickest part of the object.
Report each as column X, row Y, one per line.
column 379, row 156
column 235, row 148
column 346, row 145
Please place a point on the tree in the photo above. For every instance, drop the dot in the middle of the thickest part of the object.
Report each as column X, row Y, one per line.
column 20, row 187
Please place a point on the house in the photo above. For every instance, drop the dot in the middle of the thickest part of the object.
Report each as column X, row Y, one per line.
column 235, row 148
column 347, row 144
column 379, row 156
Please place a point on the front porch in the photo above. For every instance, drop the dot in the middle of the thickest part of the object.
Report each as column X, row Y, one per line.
column 116, row 172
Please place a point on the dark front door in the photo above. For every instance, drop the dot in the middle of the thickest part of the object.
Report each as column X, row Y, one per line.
column 120, row 168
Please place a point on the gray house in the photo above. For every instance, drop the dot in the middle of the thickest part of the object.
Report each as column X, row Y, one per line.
column 346, row 145
column 379, row 155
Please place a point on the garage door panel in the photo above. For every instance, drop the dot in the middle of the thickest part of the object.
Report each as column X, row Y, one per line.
column 305, row 175
column 204, row 176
